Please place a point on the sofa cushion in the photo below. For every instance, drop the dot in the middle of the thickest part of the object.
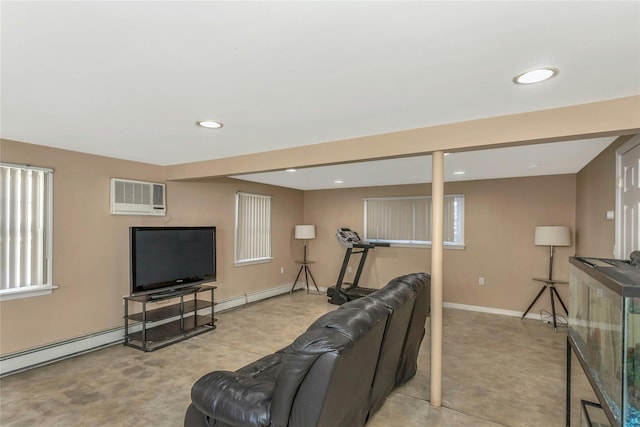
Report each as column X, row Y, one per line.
column 399, row 300
column 420, row 283
column 235, row 398
column 335, row 340
column 352, row 320
column 266, row 368
column 305, row 350
column 243, row 396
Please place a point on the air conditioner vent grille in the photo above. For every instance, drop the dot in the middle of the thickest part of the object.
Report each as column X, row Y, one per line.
column 129, row 197
column 134, row 192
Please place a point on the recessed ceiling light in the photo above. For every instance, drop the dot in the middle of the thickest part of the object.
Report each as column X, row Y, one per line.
column 290, row 170
column 338, row 181
column 535, row 76
column 209, row 124
column 459, row 173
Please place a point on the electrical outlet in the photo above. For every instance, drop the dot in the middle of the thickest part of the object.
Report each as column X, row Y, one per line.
column 281, row 270
column 349, row 269
column 480, row 280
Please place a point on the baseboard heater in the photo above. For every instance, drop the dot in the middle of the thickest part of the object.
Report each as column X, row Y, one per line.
column 44, row 355
column 32, row 358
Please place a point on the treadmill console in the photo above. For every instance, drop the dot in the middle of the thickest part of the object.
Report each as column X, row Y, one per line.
column 348, row 238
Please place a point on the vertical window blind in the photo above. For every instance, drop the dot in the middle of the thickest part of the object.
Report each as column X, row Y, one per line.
column 407, row 220
column 453, row 220
column 253, row 228
column 25, row 226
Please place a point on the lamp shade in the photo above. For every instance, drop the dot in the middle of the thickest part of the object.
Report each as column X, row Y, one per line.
column 553, row 235
column 305, row 231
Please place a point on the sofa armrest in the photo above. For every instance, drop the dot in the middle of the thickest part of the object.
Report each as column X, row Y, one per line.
column 234, row 398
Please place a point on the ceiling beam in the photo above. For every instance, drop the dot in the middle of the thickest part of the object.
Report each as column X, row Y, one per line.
column 619, row 116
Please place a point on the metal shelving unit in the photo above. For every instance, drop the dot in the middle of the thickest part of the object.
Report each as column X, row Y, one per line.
column 163, row 326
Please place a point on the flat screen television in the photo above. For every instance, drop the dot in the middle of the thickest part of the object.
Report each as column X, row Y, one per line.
column 163, row 259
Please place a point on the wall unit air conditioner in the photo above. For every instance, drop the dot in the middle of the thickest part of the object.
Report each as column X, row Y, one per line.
column 130, row 197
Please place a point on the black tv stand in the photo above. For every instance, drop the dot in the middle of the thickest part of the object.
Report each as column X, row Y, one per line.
column 151, row 329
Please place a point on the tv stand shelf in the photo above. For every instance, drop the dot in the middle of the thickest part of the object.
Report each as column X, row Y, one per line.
column 152, row 329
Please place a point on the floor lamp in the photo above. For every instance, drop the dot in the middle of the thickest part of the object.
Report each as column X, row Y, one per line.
column 551, row 235
column 305, row 232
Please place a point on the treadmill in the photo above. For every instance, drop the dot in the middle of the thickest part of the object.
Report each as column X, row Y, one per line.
column 340, row 294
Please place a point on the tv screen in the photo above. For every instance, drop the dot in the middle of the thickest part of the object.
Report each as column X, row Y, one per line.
column 165, row 258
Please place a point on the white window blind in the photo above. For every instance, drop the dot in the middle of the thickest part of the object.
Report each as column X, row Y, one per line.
column 253, row 228
column 407, row 220
column 25, row 228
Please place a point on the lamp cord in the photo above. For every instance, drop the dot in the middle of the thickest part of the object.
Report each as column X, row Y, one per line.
column 546, row 315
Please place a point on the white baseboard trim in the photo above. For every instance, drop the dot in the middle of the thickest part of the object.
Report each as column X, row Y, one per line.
column 23, row 360
column 240, row 300
column 43, row 355
column 490, row 310
column 39, row 356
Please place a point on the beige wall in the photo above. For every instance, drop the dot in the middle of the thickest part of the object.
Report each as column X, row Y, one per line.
column 500, row 217
column 595, row 195
column 91, row 246
column 91, row 263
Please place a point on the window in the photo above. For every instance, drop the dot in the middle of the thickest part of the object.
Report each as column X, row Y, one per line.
column 407, row 220
column 253, row 228
column 25, row 231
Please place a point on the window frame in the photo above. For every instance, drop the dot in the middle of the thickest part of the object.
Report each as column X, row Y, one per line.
column 236, row 248
column 47, row 286
column 456, row 244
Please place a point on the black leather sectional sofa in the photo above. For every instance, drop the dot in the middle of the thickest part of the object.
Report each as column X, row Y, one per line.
column 336, row 374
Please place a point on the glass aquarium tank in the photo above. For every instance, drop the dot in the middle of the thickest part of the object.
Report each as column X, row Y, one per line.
column 604, row 332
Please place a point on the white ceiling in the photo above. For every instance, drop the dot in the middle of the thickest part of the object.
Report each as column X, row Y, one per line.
column 130, row 79
column 530, row 160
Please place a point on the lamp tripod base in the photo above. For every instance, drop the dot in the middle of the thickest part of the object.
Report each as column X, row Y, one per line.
column 553, row 292
column 307, row 273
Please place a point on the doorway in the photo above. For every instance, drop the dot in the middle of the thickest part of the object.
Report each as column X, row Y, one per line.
column 628, row 198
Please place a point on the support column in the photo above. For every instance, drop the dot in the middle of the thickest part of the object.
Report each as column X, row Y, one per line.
column 437, row 227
